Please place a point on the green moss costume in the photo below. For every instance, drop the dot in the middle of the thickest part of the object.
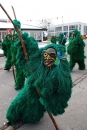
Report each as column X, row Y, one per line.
column 76, row 50
column 19, row 75
column 51, row 78
column 53, row 39
column 6, row 48
column 61, row 39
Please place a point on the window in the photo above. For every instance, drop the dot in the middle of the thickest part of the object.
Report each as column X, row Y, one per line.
column 65, row 28
column 84, row 29
column 72, row 27
column 58, row 29
column 76, row 26
column 79, row 27
column 3, row 35
column 51, row 30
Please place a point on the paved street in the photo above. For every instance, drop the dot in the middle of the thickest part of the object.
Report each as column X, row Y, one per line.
column 75, row 116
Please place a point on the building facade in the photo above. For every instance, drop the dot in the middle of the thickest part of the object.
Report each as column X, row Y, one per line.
column 7, row 27
column 67, row 28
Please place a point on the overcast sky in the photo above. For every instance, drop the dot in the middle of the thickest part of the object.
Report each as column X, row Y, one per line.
column 70, row 10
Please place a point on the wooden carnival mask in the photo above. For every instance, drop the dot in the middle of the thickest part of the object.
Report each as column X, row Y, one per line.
column 15, row 37
column 8, row 37
column 49, row 57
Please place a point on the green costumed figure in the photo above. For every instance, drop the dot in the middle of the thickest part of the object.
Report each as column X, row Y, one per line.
column 76, row 50
column 6, row 48
column 19, row 75
column 53, row 40
column 62, row 39
column 48, row 75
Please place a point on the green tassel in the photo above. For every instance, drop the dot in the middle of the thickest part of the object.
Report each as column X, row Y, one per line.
column 56, row 61
column 41, row 101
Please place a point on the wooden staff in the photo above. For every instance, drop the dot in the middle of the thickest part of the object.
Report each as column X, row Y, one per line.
column 26, row 56
column 53, row 120
column 13, row 33
column 13, row 12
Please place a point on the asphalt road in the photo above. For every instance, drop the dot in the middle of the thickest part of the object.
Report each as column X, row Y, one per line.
column 75, row 116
